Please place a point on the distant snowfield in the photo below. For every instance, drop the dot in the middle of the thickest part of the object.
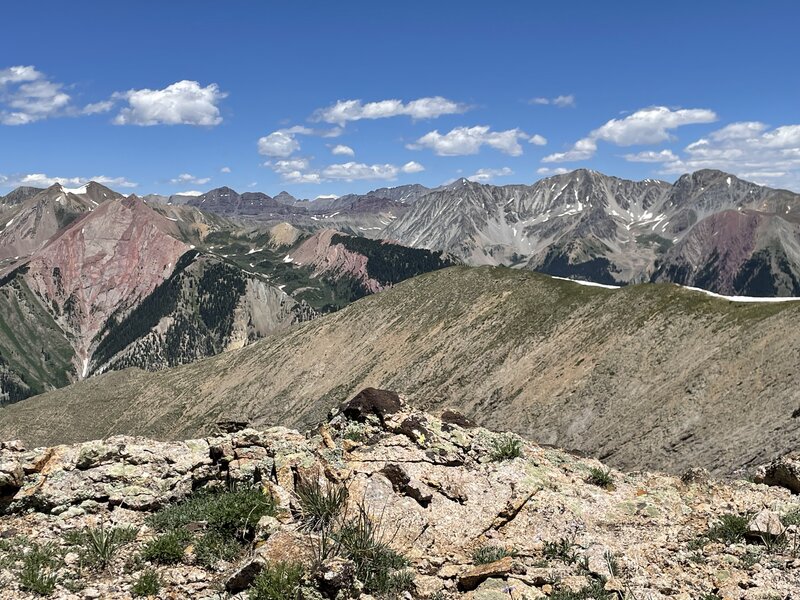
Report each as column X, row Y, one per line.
column 750, row 299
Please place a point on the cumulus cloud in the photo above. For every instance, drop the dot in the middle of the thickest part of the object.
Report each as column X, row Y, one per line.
column 651, row 156
column 341, row 149
column 42, row 180
column 298, row 170
column 189, row 178
column 412, row 167
column 468, row 140
column 646, row 126
column 549, row 171
column 566, row 101
column 190, row 193
column 182, row 103
column 537, row 140
column 98, row 107
column 294, row 170
column 278, row 143
column 225, row 170
column 352, row 171
column 486, row 175
column 283, row 142
column 27, row 96
column 749, row 149
column 355, row 110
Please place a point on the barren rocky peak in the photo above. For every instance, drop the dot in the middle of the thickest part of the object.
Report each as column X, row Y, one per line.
column 454, row 510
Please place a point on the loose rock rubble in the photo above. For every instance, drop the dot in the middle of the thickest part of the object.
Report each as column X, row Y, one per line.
column 439, row 493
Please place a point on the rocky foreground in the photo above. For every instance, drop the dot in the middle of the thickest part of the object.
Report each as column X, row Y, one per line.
column 452, row 511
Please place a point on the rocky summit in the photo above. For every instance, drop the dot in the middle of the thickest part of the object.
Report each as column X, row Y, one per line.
column 383, row 501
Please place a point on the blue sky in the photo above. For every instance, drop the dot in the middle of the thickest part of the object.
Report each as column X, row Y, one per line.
column 174, row 96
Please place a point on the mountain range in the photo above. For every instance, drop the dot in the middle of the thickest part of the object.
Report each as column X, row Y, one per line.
column 709, row 229
column 91, row 281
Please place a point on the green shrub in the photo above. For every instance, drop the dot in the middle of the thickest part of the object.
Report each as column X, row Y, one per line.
column 730, row 529
column 600, row 477
column 213, row 546
column 39, row 566
column 233, row 513
column 484, row 555
column 98, row 545
column 506, row 447
column 277, row 581
column 147, row 584
column 319, row 507
column 168, row 548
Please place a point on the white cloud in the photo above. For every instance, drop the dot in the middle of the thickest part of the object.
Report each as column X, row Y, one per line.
column 549, row 171
column 537, row 140
column 651, row 156
column 412, row 167
column 43, row 180
column 298, row 170
column 294, row 170
column 468, row 140
column 182, row 103
column 279, row 143
column 190, row 193
column 19, row 74
column 566, row 101
column 486, row 175
column 283, row 142
column 352, row 171
column 343, row 150
column 646, row 126
column 355, row 110
column 98, row 107
column 225, row 170
column 286, row 166
column 26, row 96
column 189, row 178
column 748, row 149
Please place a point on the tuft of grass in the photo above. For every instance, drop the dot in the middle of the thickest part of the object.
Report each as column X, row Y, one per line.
column 600, row 477
column 168, row 548
column 39, row 566
column 730, row 529
column 484, row 555
column 277, row 581
column 147, row 584
column 791, row 518
column 319, row 507
column 99, row 545
column 563, row 550
column 506, row 447
column 378, row 567
column 595, row 591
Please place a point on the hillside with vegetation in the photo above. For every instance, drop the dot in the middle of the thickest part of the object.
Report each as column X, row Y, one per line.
column 552, row 360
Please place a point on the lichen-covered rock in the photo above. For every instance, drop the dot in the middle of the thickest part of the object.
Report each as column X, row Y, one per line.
column 435, row 494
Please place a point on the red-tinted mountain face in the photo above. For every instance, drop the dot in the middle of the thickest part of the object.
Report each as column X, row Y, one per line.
column 736, row 252
column 104, row 264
